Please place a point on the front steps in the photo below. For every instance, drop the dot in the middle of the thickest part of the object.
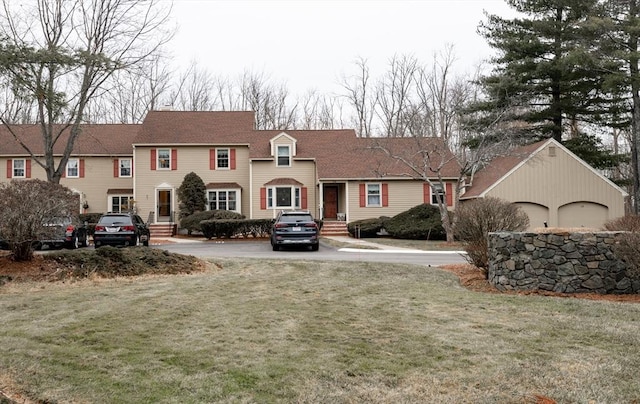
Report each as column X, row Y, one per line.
column 161, row 230
column 334, row 228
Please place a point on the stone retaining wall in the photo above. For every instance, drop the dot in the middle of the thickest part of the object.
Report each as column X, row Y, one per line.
column 558, row 262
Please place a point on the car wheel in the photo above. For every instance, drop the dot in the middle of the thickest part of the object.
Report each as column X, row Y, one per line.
column 134, row 242
column 315, row 247
column 73, row 244
column 275, row 247
column 146, row 242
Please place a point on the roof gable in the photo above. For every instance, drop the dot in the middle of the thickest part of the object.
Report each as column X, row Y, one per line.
column 501, row 168
column 277, row 141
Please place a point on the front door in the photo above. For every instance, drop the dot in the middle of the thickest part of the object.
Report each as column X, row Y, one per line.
column 330, row 202
column 164, row 205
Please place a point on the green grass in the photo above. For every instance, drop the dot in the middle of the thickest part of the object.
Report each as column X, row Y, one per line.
column 311, row 332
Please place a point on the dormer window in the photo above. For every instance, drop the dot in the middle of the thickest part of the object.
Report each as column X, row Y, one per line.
column 284, row 156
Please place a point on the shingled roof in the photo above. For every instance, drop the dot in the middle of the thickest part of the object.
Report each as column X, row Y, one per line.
column 103, row 139
column 340, row 154
column 196, row 127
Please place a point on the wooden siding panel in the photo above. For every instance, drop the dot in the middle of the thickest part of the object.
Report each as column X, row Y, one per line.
column 557, row 181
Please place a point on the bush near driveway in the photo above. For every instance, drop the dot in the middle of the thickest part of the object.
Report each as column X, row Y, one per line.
column 422, row 222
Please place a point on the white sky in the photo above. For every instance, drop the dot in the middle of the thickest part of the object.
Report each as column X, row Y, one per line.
column 311, row 44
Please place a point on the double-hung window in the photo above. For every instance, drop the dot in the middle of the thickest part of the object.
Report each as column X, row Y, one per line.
column 284, row 156
column 222, row 159
column 283, row 197
column 19, row 168
column 374, row 195
column 164, row 159
column 73, row 168
column 437, row 191
column 125, row 167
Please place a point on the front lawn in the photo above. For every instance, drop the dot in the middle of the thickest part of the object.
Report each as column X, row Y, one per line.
column 311, row 332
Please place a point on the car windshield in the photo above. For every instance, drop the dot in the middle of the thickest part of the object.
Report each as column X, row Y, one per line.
column 115, row 220
column 295, row 218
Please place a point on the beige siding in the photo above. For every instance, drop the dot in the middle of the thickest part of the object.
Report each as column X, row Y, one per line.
column 98, row 178
column 189, row 159
column 553, row 182
column 301, row 171
column 403, row 195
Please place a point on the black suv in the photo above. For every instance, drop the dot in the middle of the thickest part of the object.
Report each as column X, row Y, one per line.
column 121, row 229
column 295, row 228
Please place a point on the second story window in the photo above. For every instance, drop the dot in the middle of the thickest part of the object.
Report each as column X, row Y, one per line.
column 19, row 168
column 73, row 168
column 125, row 167
column 284, row 156
column 222, row 158
column 164, row 159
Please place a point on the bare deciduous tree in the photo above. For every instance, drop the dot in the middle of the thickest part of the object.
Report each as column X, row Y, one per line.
column 361, row 97
column 59, row 54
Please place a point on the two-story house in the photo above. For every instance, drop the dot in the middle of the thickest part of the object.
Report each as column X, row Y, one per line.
column 332, row 173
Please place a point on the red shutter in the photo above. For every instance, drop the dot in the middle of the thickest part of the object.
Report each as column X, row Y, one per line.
column 9, row 168
column 212, row 159
column 116, row 168
column 303, row 198
column 27, row 164
column 449, row 193
column 81, row 168
column 232, row 159
column 132, row 167
column 154, row 159
column 385, row 194
column 174, row 159
column 263, row 198
column 426, row 193
column 363, row 195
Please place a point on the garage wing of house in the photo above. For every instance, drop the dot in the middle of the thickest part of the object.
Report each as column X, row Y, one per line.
column 552, row 185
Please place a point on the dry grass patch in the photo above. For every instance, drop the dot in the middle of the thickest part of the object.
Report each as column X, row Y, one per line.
column 311, row 332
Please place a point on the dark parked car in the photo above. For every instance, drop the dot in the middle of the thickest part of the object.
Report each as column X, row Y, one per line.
column 125, row 229
column 295, row 228
column 65, row 232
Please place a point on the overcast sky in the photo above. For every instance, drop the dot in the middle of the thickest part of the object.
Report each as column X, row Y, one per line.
column 311, row 44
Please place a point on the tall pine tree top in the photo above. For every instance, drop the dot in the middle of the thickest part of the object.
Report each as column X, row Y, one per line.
column 547, row 72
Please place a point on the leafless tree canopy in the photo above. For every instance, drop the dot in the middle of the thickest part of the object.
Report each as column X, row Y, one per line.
column 58, row 55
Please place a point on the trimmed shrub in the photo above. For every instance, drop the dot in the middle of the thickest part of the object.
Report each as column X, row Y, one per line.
column 422, row 222
column 475, row 219
column 366, row 228
column 192, row 222
column 227, row 228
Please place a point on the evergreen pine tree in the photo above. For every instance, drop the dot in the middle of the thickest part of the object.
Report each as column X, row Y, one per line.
column 192, row 195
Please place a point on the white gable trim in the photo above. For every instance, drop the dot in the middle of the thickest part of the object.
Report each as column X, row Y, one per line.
column 569, row 152
column 293, row 141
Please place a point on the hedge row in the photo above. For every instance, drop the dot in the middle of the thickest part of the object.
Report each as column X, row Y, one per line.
column 192, row 222
column 227, row 228
column 421, row 222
